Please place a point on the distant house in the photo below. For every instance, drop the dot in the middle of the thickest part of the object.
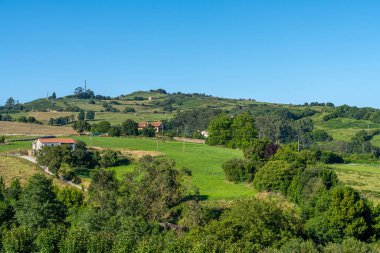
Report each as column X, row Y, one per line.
column 156, row 124
column 150, row 98
column 51, row 142
column 204, row 133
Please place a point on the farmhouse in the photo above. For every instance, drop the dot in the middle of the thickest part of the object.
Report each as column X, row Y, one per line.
column 51, row 142
column 156, row 124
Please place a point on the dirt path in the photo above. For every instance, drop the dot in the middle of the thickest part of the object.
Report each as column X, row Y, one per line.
column 47, row 171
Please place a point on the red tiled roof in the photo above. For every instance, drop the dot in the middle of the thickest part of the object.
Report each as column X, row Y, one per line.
column 58, row 140
column 154, row 124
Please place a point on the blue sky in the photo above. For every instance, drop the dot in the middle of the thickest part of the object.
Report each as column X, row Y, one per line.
column 286, row 51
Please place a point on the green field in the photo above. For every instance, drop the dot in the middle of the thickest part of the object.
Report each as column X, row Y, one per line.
column 343, row 129
column 204, row 161
column 362, row 177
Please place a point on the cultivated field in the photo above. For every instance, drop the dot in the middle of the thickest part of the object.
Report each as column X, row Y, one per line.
column 204, row 161
column 362, row 177
column 17, row 128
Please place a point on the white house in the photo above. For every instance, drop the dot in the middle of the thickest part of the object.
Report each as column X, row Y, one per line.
column 52, row 142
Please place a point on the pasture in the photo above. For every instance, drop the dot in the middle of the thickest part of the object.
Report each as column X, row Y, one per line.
column 343, row 129
column 17, row 128
column 204, row 161
column 362, row 177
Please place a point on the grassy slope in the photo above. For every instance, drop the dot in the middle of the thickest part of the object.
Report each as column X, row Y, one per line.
column 15, row 167
column 363, row 177
column 204, row 161
column 343, row 129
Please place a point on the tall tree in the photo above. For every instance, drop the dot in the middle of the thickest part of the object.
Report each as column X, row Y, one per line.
column 129, row 127
column 38, row 205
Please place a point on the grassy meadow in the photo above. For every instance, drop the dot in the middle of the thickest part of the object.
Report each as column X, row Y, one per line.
column 362, row 177
column 204, row 162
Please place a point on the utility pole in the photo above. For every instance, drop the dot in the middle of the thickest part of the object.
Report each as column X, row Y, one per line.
column 85, row 85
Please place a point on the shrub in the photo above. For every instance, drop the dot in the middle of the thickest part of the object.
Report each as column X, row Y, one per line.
column 238, row 170
column 274, row 176
column 331, row 157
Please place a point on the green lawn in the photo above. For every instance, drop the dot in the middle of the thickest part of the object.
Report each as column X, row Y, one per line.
column 204, row 161
column 362, row 177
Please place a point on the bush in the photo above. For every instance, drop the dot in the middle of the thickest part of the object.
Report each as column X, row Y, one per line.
column 331, row 157
column 238, row 170
column 129, row 109
column 274, row 176
column 2, row 139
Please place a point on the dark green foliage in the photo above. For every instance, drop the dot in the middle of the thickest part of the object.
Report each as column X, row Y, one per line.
column 153, row 189
column 274, row 176
column 321, row 135
column 81, row 126
column 18, row 239
column 243, row 131
column 108, row 158
column 129, row 110
column 148, row 131
column 340, row 213
column 238, row 170
column 188, row 122
column 249, row 226
column 219, row 129
column 90, row 115
column 48, row 239
column 2, row 139
column 331, row 157
column 81, row 115
column 102, row 127
column 349, row 245
column 70, row 197
column 310, row 183
column 38, row 205
column 76, row 241
column 129, row 127
column 115, row 131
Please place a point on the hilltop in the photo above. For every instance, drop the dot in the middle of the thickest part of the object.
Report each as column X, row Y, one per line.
column 158, row 105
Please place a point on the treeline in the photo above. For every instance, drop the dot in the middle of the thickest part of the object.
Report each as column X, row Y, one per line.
column 240, row 131
column 354, row 112
column 128, row 128
column 188, row 123
column 155, row 209
column 67, row 163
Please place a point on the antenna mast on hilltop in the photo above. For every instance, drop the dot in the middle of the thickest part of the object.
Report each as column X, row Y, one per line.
column 85, row 85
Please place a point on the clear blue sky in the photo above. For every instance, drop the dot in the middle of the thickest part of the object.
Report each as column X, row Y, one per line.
column 278, row 51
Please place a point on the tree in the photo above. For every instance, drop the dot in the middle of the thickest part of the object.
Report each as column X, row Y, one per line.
column 243, row 131
column 81, row 115
column 10, row 103
column 108, row 158
column 238, row 170
column 129, row 127
column 38, row 205
column 102, row 127
column 340, row 213
column 249, row 226
column 219, row 130
column 18, row 239
column 48, row 240
column 81, row 126
column 274, row 176
column 129, row 109
column 149, row 131
column 54, row 96
column 90, row 115
column 115, row 131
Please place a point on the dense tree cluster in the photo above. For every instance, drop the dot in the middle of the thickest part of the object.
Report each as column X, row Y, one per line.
column 155, row 208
